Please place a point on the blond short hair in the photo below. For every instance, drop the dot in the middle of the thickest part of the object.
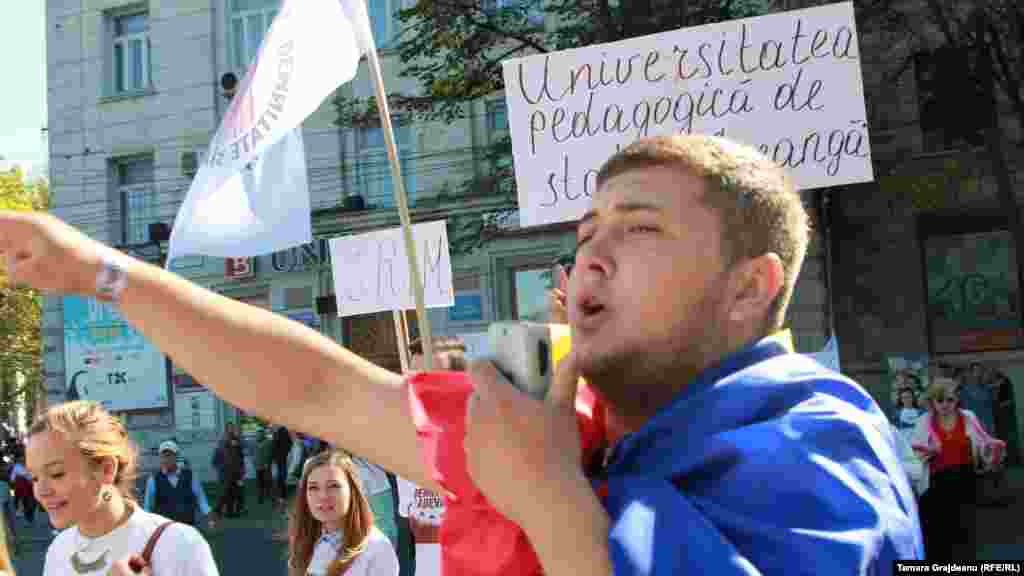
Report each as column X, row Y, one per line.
column 759, row 208
column 940, row 387
column 97, row 434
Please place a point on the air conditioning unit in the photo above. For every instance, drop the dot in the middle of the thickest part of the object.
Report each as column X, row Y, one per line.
column 354, row 203
column 189, row 164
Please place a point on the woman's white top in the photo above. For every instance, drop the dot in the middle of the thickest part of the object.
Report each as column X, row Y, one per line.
column 379, row 558
column 181, row 550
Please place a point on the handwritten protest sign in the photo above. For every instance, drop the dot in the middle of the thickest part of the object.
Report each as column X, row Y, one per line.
column 371, row 271
column 789, row 84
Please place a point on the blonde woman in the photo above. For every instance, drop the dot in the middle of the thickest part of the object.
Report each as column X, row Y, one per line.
column 332, row 530
column 954, row 445
column 84, row 468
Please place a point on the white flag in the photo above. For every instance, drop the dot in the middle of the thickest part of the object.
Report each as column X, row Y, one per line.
column 250, row 196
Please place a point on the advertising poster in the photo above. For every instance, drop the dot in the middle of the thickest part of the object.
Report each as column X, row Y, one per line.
column 108, row 361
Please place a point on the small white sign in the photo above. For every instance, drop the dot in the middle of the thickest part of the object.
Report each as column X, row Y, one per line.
column 195, row 411
column 371, row 271
column 829, row 355
column 789, row 84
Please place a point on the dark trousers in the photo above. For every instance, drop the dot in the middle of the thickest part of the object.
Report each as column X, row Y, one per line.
column 948, row 515
column 406, row 548
column 28, row 506
column 230, row 499
column 281, row 464
column 12, row 535
column 265, row 481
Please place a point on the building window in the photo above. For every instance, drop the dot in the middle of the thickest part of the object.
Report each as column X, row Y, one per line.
column 375, row 168
column 951, row 105
column 499, row 155
column 134, row 177
column 534, row 9
column 130, row 57
column 972, row 288
column 250, row 20
column 497, row 118
column 531, row 286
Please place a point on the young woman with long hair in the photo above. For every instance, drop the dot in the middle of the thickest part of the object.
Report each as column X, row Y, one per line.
column 84, row 467
column 331, row 531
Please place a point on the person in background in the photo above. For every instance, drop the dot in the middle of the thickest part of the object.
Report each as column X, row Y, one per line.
column 175, row 492
column 907, row 412
column 263, row 461
column 558, row 307
column 449, row 354
column 331, row 531
column 84, row 467
column 995, row 490
column 404, row 545
column 912, row 464
column 232, row 475
column 22, row 481
column 976, row 395
column 282, row 446
column 217, row 461
column 7, row 502
column 954, row 445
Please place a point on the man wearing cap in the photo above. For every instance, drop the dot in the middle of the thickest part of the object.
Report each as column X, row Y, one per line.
column 174, row 493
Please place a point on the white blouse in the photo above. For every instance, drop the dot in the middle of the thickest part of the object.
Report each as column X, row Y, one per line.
column 379, row 558
column 181, row 550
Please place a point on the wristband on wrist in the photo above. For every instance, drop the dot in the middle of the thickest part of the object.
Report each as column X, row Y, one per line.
column 111, row 280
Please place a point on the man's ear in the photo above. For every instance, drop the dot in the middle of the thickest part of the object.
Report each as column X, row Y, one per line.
column 753, row 286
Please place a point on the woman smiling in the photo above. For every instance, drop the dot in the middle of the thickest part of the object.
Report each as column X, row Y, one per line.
column 83, row 467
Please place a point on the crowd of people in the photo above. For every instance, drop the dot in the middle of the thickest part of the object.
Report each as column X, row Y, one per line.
column 683, row 273
column 947, row 426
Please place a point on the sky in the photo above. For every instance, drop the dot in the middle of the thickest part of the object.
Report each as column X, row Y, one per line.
column 23, row 100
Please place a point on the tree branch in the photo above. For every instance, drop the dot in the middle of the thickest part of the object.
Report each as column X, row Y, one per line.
column 943, row 22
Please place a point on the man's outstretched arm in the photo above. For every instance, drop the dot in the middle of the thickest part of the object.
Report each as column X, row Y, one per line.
column 259, row 361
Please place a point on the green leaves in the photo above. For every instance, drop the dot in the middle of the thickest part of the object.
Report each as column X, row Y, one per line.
column 20, row 309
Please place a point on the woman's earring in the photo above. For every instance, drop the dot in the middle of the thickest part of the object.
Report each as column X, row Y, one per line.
column 107, row 495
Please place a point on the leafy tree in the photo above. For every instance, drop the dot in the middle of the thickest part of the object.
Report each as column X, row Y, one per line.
column 21, row 382
column 453, row 49
column 939, row 39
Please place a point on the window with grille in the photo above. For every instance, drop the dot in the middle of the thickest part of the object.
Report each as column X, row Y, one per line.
column 137, row 194
column 375, row 180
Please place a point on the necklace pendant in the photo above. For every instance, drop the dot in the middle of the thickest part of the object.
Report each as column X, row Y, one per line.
column 81, row 567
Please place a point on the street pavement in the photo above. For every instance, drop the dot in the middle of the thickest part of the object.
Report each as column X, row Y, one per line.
column 247, row 546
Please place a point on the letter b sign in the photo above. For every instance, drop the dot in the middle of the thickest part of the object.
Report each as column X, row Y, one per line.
column 238, row 268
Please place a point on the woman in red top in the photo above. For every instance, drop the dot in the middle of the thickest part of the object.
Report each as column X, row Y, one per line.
column 954, row 445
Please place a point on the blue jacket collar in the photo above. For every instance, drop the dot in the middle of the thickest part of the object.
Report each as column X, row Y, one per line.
column 672, row 419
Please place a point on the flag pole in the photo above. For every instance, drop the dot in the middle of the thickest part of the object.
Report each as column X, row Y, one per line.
column 403, row 204
column 403, row 340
